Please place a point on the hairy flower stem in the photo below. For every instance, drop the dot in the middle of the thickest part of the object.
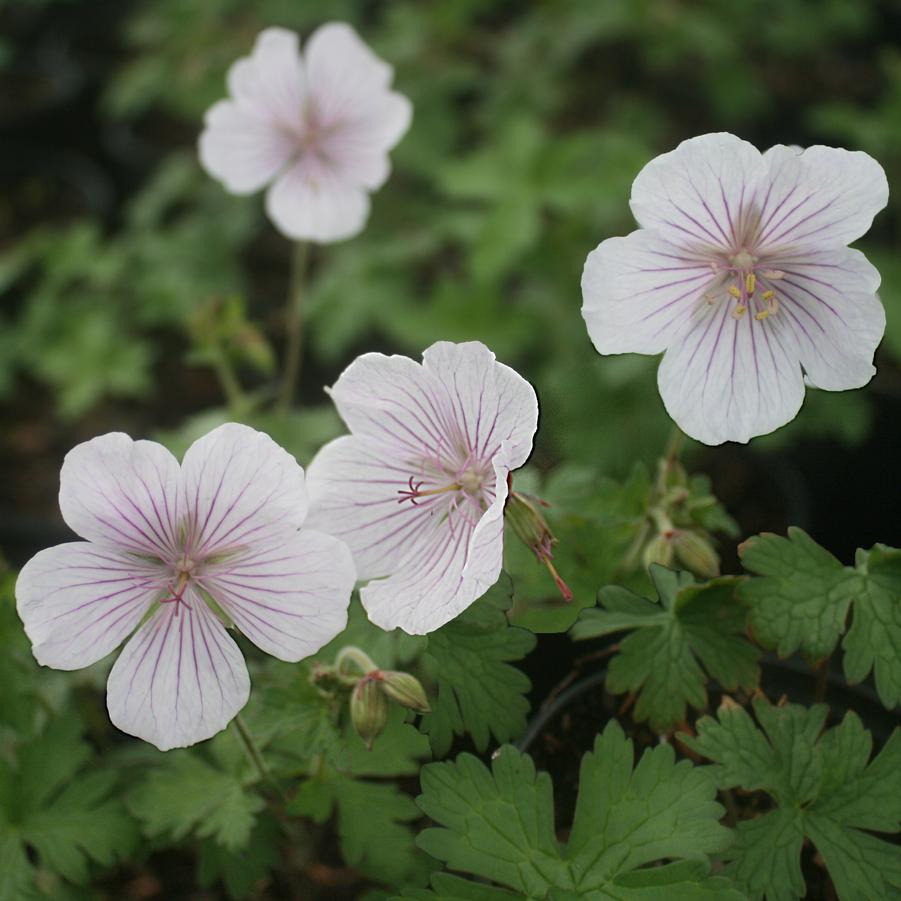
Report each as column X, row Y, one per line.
column 254, row 755
column 228, row 382
column 294, row 324
column 669, row 459
column 352, row 654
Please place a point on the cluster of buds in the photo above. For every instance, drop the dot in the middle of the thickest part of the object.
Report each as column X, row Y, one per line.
column 371, row 690
column 675, row 536
column 523, row 514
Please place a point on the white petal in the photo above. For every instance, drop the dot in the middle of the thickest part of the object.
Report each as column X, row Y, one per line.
column 363, row 168
column 829, row 308
column 343, row 74
column 444, row 572
column 491, row 402
column 396, row 404
column 240, row 488
column 729, row 380
column 822, row 197
column 269, row 84
column 311, row 201
column 241, row 151
column 641, row 291
column 695, row 194
column 289, row 599
column 122, row 493
column 358, row 148
column 79, row 601
column 180, row 679
column 356, row 495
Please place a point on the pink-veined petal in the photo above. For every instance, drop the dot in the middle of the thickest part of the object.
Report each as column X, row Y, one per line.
column 444, row 572
column 731, row 379
column 180, row 679
column 79, row 601
column 694, row 195
column 269, row 84
column 398, row 405
column 485, row 557
column 343, row 74
column 122, row 493
column 312, row 201
column 821, row 197
column 491, row 402
column 244, row 153
column 358, row 149
column 288, row 599
column 240, row 488
column 356, row 495
column 829, row 310
column 640, row 292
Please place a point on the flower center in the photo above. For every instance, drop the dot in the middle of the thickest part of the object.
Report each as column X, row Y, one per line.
column 183, row 570
column 748, row 284
column 471, row 481
column 413, row 491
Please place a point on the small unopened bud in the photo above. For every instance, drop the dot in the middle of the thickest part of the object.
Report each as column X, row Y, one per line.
column 658, row 550
column 369, row 709
column 252, row 348
column 696, row 553
column 525, row 519
column 406, row 690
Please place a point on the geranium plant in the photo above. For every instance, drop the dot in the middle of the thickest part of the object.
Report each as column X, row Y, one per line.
column 396, row 639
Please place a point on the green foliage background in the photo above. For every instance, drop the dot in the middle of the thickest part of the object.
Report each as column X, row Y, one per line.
column 130, row 280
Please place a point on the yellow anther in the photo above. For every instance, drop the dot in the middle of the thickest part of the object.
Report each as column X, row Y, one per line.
column 750, row 282
column 739, row 311
column 767, row 295
column 761, row 315
column 733, row 290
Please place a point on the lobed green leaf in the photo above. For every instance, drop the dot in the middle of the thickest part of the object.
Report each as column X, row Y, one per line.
column 692, row 633
column 801, row 597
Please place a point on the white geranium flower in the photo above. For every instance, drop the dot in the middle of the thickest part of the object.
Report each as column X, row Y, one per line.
column 741, row 274
column 417, row 490
column 170, row 552
column 316, row 128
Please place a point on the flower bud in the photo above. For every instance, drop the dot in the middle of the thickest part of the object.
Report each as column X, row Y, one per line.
column 369, row 709
column 696, row 553
column 524, row 517
column 658, row 550
column 406, row 690
column 251, row 347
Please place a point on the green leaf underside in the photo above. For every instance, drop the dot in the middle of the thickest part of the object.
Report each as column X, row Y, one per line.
column 824, row 790
column 498, row 824
column 67, row 815
column 478, row 692
column 691, row 634
column 801, row 597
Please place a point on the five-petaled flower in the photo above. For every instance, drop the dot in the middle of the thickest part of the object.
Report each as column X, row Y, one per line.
column 172, row 552
column 741, row 273
column 316, row 128
column 417, row 491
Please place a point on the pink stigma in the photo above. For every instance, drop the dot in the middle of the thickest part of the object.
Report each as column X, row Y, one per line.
column 410, row 494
